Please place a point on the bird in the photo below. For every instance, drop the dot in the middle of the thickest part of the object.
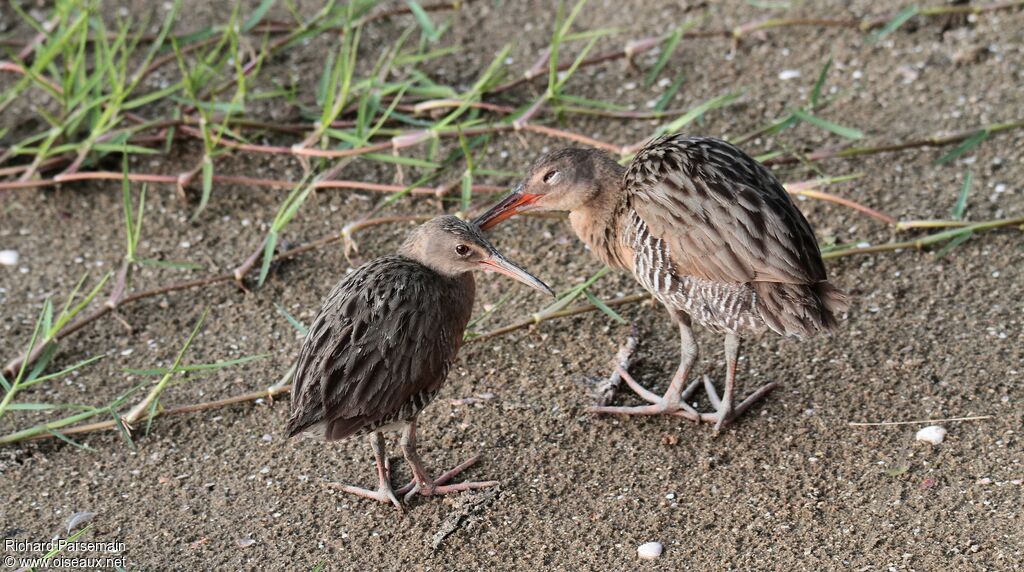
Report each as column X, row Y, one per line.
column 709, row 232
column 382, row 344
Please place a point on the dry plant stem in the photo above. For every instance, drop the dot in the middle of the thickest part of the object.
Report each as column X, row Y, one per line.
column 562, row 134
column 887, row 219
column 933, row 141
column 12, row 67
column 120, row 285
column 432, row 104
column 605, row 391
column 537, row 319
column 232, row 179
column 38, row 38
column 919, row 421
column 909, row 224
column 282, row 386
column 920, row 243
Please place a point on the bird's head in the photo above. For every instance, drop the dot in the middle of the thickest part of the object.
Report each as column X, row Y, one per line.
column 453, row 246
column 562, row 180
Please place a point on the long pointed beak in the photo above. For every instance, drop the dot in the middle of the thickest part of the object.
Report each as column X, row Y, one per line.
column 516, row 202
column 501, row 265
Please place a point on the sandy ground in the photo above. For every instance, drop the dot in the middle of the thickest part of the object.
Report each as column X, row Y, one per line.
column 791, row 487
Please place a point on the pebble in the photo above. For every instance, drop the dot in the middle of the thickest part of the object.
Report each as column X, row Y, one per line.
column 789, row 74
column 933, row 434
column 8, row 257
column 649, row 551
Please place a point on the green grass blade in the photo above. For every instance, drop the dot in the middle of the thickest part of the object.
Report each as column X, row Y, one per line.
column 467, row 190
column 69, row 440
column 207, row 174
column 429, row 31
column 667, row 49
column 31, row 380
column 957, row 240
column 961, row 201
column 268, row 254
column 122, row 429
column 292, row 319
column 820, row 83
column 670, row 93
column 604, row 307
column 841, row 130
column 196, row 367
column 401, row 160
column 894, row 24
column 967, row 144
column 699, row 110
column 45, row 406
column 257, row 15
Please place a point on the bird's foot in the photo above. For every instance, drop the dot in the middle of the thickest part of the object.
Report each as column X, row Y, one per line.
column 725, row 412
column 427, row 487
column 667, row 404
column 383, row 493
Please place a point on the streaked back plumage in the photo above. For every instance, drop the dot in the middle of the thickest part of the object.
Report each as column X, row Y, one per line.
column 380, row 347
column 711, row 232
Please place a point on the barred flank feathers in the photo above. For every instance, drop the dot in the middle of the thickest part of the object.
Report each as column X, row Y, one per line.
column 799, row 309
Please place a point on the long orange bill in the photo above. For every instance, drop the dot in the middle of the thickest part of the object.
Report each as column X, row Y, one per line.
column 516, row 202
column 498, row 263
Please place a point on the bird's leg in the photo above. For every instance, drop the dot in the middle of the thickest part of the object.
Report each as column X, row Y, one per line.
column 383, row 492
column 674, row 400
column 725, row 412
column 424, row 485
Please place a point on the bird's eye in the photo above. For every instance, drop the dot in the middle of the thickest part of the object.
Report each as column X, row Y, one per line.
column 462, row 250
column 551, row 177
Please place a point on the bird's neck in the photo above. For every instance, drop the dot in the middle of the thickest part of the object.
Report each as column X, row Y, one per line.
column 598, row 222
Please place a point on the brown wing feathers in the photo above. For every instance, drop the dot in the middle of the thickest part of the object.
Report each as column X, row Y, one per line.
column 726, row 218
column 366, row 360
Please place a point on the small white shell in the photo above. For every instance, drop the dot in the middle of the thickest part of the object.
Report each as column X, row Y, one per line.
column 8, row 257
column 789, row 74
column 649, row 550
column 933, row 434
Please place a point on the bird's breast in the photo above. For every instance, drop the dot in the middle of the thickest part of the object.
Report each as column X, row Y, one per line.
column 603, row 236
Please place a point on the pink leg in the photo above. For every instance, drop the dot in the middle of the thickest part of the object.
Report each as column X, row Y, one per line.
column 424, row 484
column 674, row 400
column 725, row 412
column 383, row 492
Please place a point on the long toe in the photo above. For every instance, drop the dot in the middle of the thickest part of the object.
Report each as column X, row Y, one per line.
column 458, row 487
column 712, row 393
column 385, row 495
column 755, row 397
column 662, row 407
column 691, row 389
column 652, row 409
column 411, row 488
column 726, row 415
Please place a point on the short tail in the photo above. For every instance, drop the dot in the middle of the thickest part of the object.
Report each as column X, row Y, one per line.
column 800, row 309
